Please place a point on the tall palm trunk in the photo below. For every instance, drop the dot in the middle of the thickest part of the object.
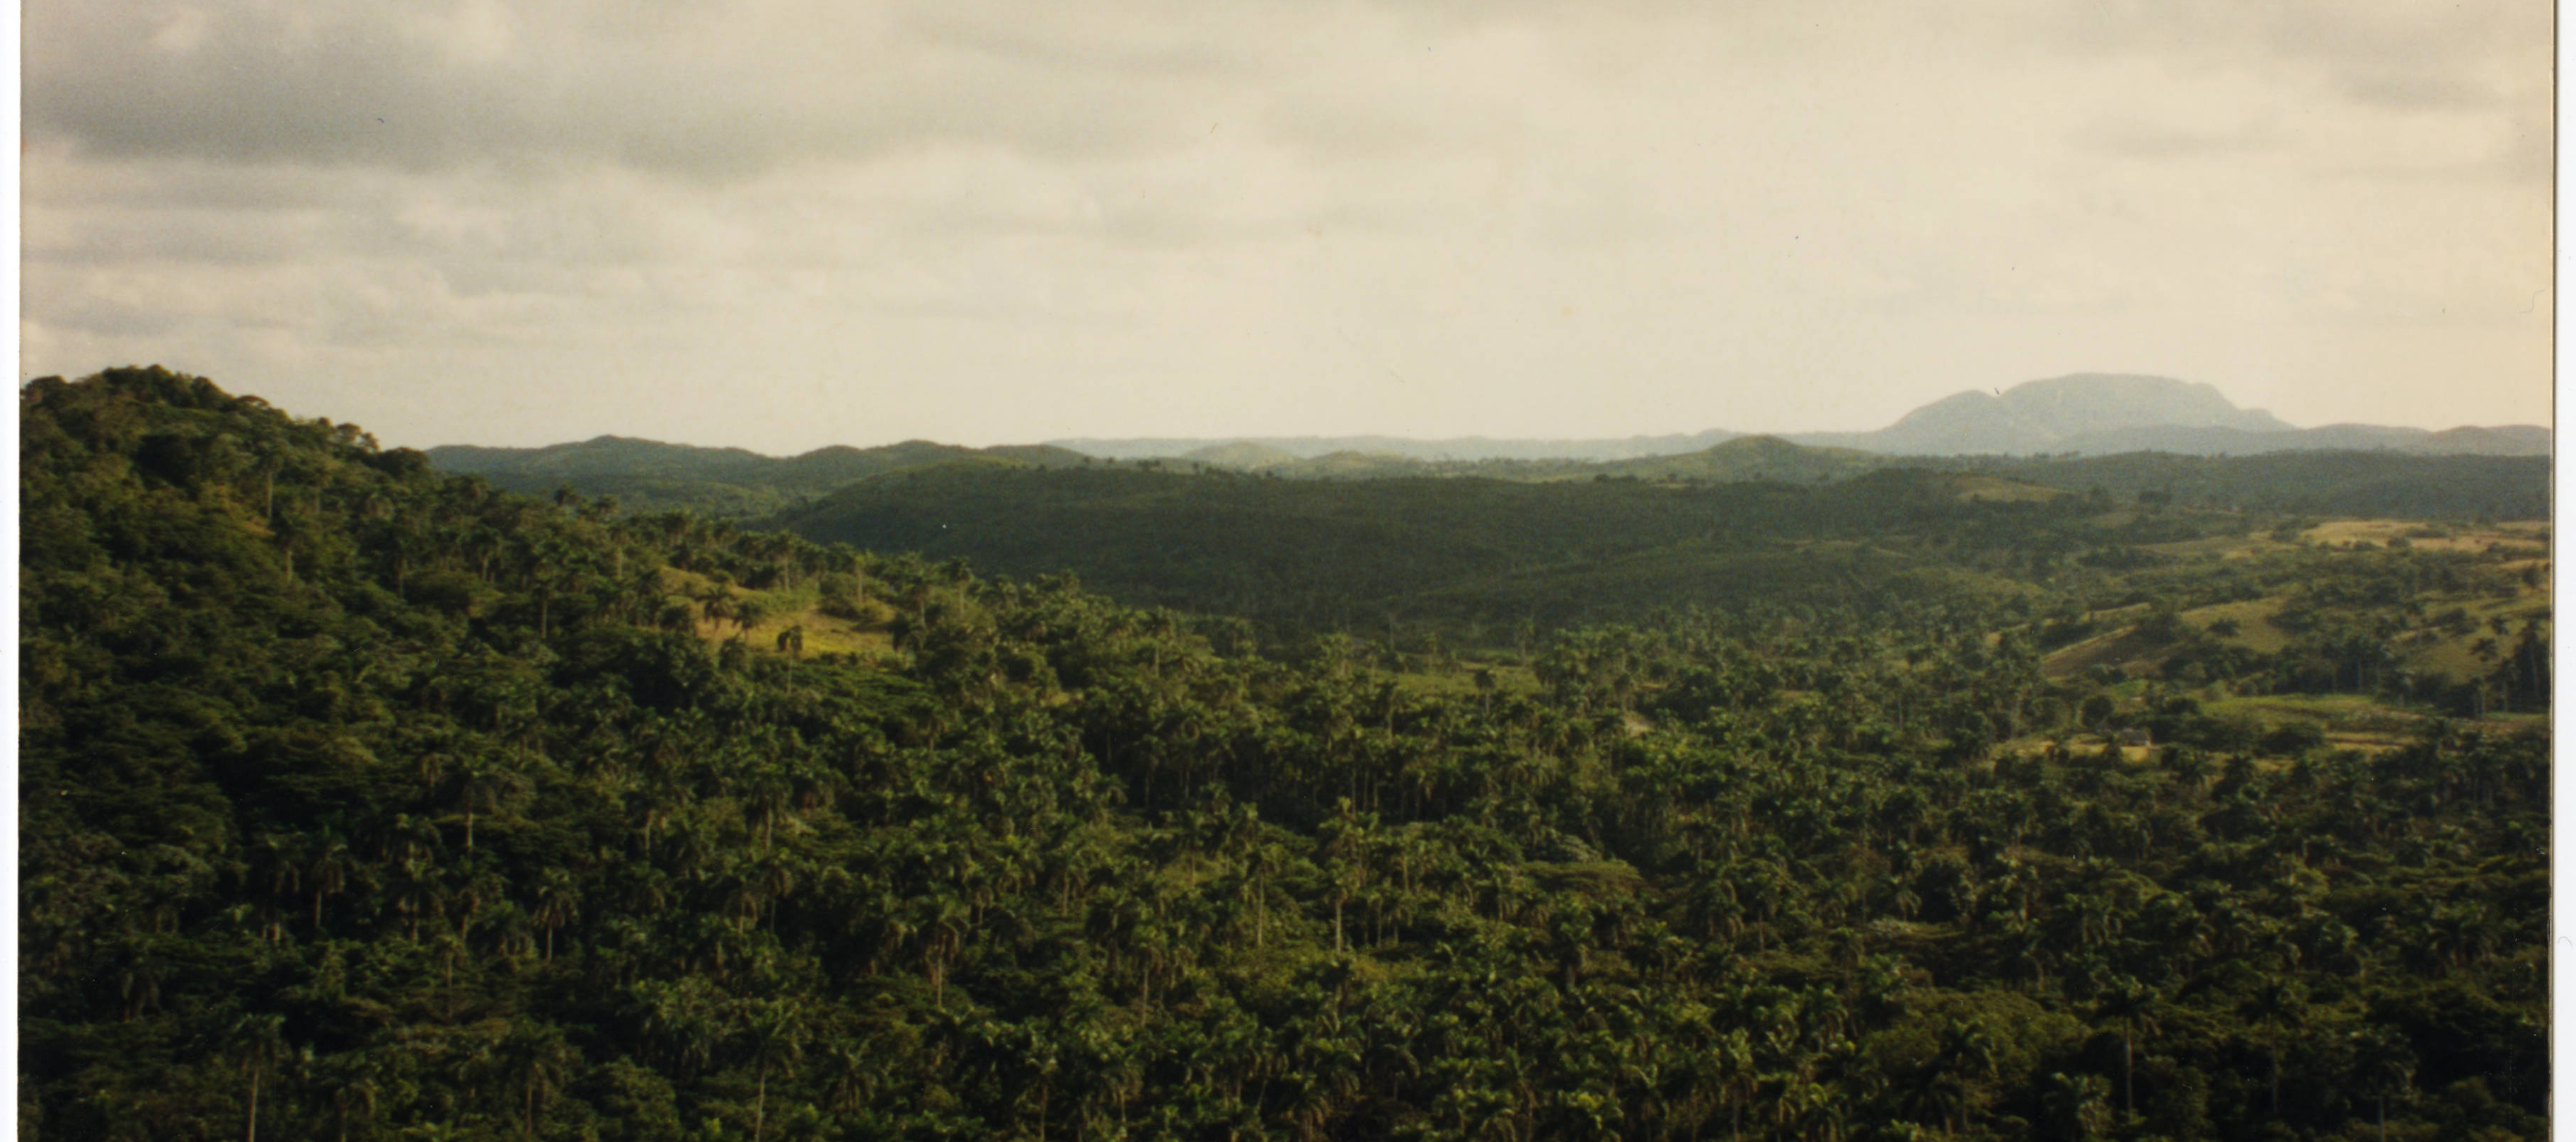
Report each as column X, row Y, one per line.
column 2128, row 1079
column 2276, row 1080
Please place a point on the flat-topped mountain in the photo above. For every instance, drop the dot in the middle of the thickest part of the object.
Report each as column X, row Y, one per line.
column 2100, row 414
column 2095, row 402
column 2058, row 414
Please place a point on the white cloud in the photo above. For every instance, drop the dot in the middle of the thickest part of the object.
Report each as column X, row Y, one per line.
column 986, row 222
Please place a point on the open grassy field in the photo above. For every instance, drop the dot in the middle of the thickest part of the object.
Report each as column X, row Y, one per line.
column 1997, row 490
column 2253, row 619
column 2453, row 634
column 2348, row 712
column 2116, row 648
column 2508, row 537
column 779, row 611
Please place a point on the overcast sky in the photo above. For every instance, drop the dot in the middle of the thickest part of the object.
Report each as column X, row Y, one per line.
column 792, row 223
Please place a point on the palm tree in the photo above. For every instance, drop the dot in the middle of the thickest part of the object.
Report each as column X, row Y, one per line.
column 358, row 1091
column 2275, row 1007
column 779, row 1030
column 478, row 785
column 536, row 1056
column 257, row 1043
column 272, row 860
column 2131, row 1005
column 2385, row 1065
column 716, row 603
column 558, row 902
column 747, row 614
column 327, row 869
column 417, row 891
column 1968, row 1056
column 687, row 1019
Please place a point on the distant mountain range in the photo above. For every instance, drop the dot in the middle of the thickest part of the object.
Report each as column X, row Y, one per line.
column 1264, row 451
column 826, row 467
column 2090, row 414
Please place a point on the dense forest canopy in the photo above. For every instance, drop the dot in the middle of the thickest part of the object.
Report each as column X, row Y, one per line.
column 2350, row 481
column 1480, row 563
column 361, row 801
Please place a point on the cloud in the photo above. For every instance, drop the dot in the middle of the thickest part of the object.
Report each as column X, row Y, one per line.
column 2141, row 139
column 997, row 221
column 2387, row 54
column 2403, row 92
column 713, row 93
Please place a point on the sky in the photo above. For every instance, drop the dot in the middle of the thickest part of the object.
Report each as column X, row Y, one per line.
column 783, row 224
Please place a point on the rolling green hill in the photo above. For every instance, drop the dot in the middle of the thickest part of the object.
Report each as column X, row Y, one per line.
column 646, row 475
column 361, row 801
column 1477, row 556
column 2383, row 484
column 732, row 483
column 1766, row 458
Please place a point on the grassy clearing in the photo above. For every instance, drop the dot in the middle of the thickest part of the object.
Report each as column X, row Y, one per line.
column 2531, row 537
column 2217, row 547
column 2440, row 643
column 1996, row 490
column 2347, row 713
column 779, row 610
column 2456, row 654
column 2253, row 618
column 2122, row 648
column 823, row 635
column 2257, row 546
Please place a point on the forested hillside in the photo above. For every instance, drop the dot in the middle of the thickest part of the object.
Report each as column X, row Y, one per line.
column 360, row 801
column 2315, row 483
column 1481, row 564
column 1315, row 556
column 731, row 483
column 650, row 476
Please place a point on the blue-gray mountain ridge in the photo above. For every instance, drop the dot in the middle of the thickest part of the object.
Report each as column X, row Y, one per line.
column 2091, row 414
column 2085, row 414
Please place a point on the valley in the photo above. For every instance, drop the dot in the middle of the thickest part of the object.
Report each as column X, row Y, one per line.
column 1774, row 795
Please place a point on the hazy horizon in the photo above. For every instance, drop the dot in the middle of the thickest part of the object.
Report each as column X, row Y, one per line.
column 803, row 225
column 1225, row 438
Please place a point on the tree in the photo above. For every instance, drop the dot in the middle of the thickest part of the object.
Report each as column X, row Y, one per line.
column 256, row 1042
column 780, row 1029
column 327, row 870
column 2132, row 1007
column 539, row 1061
column 558, row 902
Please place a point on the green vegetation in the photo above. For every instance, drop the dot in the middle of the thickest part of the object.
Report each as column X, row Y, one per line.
column 359, row 801
column 650, row 476
column 2261, row 602
column 736, row 484
column 2316, row 483
column 1478, row 557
